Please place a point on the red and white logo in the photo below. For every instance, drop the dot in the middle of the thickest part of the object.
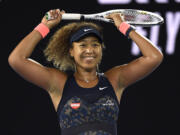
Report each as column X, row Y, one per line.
column 75, row 105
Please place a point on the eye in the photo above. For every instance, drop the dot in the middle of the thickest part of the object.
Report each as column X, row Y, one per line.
column 95, row 45
column 82, row 45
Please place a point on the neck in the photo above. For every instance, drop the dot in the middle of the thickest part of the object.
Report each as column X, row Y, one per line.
column 86, row 76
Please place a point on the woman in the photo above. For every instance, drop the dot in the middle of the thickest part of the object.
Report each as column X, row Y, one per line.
column 86, row 101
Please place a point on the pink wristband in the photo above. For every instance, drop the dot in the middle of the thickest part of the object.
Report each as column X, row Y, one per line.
column 42, row 29
column 124, row 27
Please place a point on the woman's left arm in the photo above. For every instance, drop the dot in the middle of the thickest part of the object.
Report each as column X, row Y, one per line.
column 140, row 67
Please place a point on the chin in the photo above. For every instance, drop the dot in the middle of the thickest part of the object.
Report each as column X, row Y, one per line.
column 90, row 67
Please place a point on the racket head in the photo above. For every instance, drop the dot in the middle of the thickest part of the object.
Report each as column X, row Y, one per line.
column 132, row 16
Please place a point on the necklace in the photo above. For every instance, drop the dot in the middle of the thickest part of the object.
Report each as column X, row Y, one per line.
column 87, row 81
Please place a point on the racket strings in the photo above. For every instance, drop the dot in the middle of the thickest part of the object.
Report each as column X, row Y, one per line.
column 137, row 17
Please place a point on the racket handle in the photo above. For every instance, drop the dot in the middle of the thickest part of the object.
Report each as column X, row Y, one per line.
column 70, row 16
column 66, row 16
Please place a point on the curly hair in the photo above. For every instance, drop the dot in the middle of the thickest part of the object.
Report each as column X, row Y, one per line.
column 57, row 50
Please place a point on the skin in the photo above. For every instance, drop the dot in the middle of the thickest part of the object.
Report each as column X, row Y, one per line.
column 87, row 54
column 53, row 80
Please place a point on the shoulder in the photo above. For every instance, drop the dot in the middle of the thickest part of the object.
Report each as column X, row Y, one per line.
column 58, row 74
column 58, row 79
column 55, row 71
column 114, row 75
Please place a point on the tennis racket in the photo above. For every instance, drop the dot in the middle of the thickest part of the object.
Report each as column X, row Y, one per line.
column 131, row 16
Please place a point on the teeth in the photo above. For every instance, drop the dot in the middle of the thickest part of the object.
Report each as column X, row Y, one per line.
column 89, row 58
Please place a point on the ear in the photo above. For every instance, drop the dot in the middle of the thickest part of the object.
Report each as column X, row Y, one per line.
column 71, row 52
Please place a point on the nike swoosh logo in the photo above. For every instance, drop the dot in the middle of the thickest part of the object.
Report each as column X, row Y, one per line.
column 103, row 88
column 85, row 30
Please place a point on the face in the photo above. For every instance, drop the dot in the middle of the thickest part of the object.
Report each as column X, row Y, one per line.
column 87, row 52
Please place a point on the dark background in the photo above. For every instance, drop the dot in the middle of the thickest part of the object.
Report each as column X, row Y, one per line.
column 148, row 107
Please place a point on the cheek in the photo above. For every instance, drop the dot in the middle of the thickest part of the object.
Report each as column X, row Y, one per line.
column 99, row 52
column 100, row 57
column 77, row 53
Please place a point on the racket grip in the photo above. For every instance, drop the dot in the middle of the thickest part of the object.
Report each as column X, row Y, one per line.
column 66, row 16
column 70, row 16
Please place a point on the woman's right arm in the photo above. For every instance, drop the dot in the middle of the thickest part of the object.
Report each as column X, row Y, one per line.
column 29, row 69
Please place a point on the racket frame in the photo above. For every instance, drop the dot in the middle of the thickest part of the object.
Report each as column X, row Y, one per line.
column 102, row 17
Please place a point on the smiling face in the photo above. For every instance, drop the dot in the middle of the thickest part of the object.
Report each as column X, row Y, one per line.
column 87, row 53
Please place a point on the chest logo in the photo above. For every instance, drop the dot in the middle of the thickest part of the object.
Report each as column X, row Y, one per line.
column 102, row 88
column 108, row 103
column 75, row 105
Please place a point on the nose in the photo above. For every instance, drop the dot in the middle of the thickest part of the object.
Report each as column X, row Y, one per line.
column 89, row 49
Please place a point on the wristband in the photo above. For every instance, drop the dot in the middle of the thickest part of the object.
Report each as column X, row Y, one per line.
column 42, row 29
column 126, row 28
column 129, row 30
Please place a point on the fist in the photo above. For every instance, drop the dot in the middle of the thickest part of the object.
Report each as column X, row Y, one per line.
column 117, row 18
column 56, row 16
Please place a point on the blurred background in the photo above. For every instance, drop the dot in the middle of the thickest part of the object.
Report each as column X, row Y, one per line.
column 148, row 107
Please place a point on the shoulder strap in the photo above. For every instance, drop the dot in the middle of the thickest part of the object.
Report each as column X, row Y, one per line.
column 105, row 82
column 65, row 93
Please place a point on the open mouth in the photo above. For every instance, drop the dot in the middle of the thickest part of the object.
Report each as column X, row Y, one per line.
column 89, row 58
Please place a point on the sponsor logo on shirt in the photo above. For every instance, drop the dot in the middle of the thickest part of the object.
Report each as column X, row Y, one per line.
column 108, row 103
column 102, row 88
column 85, row 30
column 75, row 105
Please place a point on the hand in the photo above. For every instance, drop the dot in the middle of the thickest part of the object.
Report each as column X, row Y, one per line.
column 117, row 18
column 56, row 14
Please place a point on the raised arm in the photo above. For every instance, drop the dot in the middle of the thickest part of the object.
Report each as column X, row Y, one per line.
column 29, row 69
column 151, row 58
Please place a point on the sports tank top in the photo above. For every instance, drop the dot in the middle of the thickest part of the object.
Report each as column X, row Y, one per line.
column 88, row 111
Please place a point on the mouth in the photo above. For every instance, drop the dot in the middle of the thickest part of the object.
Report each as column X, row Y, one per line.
column 89, row 59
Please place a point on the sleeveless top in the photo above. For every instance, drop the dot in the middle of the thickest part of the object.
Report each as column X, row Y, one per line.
column 88, row 111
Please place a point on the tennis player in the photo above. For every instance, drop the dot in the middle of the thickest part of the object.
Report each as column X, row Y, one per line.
column 86, row 101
